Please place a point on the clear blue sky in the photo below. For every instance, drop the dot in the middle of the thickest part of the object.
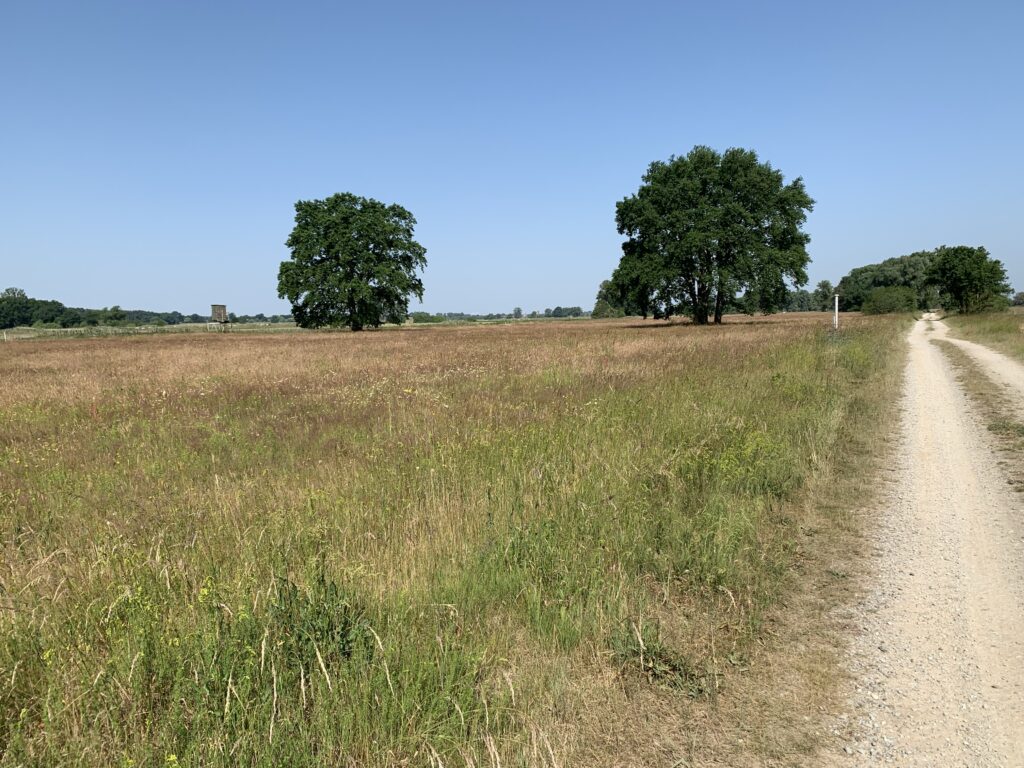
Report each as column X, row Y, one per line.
column 152, row 151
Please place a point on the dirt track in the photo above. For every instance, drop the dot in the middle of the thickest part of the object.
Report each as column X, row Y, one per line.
column 1007, row 373
column 938, row 659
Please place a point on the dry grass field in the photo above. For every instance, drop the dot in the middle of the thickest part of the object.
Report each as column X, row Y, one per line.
column 527, row 544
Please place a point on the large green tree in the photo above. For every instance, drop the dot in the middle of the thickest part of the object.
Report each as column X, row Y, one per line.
column 707, row 226
column 354, row 262
column 968, row 279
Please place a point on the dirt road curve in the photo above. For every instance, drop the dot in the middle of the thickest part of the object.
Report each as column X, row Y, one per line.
column 938, row 659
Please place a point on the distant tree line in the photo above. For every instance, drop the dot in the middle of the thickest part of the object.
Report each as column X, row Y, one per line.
column 515, row 314
column 821, row 299
column 18, row 309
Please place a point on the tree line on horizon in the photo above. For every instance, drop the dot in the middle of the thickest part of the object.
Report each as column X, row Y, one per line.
column 17, row 309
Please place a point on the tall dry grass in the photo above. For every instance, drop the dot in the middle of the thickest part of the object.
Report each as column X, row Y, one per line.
column 396, row 548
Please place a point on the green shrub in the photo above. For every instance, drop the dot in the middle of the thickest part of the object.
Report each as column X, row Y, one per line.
column 888, row 300
column 426, row 317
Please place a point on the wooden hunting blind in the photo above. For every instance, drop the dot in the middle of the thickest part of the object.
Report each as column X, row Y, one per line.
column 219, row 313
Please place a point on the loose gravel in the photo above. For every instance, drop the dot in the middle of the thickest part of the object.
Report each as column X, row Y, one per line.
column 938, row 657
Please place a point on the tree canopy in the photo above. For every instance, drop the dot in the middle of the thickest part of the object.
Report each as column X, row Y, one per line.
column 823, row 296
column 703, row 228
column 888, row 299
column 818, row 300
column 955, row 277
column 353, row 262
column 910, row 271
column 968, row 279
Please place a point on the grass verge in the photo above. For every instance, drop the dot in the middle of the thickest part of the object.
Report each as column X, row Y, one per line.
column 1000, row 330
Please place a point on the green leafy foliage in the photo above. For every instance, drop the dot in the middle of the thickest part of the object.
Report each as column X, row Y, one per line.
column 818, row 300
column 890, row 299
column 564, row 312
column 426, row 317
column 609, row 302
column 799, row 301
column 823, row 297
column 354, row 263
column 969, row 280
column 910, row 271
column 707, row 226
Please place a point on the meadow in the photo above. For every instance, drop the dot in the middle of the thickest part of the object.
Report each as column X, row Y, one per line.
column 443, row 546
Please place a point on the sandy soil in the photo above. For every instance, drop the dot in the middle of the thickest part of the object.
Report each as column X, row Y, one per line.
column 938, row 657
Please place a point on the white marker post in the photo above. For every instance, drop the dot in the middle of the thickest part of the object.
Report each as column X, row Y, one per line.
column 835, row 317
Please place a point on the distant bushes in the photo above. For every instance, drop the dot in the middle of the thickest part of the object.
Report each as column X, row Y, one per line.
column 18, row 309
column 887, row 300
column 426, row 317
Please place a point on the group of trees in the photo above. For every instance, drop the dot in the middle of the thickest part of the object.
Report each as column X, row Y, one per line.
column 819, row 300
column 702, row 230
column 18, row 309
column 908, row 272
column 961, row 278
column 706, row 233
column 515, row 314
column 968, row 279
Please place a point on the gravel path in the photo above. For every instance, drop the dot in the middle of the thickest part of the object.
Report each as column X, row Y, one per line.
column 938, row 661
column 1004, row 371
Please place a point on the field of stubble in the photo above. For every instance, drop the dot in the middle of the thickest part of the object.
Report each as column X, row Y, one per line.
column 448, row 546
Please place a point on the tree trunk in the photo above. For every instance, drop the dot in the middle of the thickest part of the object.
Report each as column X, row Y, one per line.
column 701, row 300
column 353, row 319
column 719, row 306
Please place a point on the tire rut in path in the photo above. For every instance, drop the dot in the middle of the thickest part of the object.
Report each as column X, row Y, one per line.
column 1004, row 371
column 938, row 658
